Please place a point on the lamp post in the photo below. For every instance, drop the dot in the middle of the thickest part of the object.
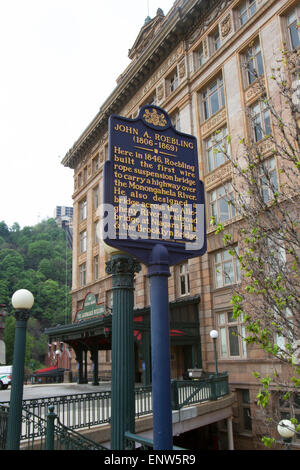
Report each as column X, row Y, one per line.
column 22, row 301
column 214, row 334
column 287, row 430
column 57, row 353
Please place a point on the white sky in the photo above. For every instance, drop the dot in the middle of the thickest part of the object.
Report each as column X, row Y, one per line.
column 59, row 62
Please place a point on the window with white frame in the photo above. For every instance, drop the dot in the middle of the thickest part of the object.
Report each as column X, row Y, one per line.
column 215, row 40
column 82, row 210
column 213, row 98
column 289, row 407
column 175, row 119
column 226, row 268
column 147, row 290
column 106, row 152
column 82, row 274
column 96, row 234
column 246, row 10
column 231, row 334
column 216, row 149
column 82, row 241
column 199, row 58
column 96, row 163
column 172, row 81
column 109, row 301
column 151, row 100
column 293, row 28
column 253, row 63
column 285, row 329
column 268, row 179
column 96, row 267
column 221, row 203
column 184, row 279
column 96, row 197
column 85, row 173
column 260, row 121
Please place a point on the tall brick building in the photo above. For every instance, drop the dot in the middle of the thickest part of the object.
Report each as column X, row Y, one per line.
column 189, row 62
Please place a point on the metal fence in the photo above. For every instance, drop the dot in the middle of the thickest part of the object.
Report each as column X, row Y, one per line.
column 85, row 410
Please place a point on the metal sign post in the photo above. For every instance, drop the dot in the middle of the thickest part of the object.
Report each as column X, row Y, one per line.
column 154, row 211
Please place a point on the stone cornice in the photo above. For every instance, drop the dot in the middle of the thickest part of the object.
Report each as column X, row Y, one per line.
column 176, row 24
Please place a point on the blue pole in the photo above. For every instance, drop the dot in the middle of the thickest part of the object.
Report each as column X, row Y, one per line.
column 159, row 271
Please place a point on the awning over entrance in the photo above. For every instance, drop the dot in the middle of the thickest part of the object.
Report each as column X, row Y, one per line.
column 94, row 334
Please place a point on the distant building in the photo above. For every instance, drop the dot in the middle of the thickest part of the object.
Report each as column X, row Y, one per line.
column 64, row 218
column 62, row 213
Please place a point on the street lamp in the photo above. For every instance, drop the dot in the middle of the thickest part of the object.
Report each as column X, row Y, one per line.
column 22, row 301
column 214, row 334
column 287, row 430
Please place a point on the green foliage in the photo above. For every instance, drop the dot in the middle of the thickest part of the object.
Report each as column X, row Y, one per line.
column 35, row 258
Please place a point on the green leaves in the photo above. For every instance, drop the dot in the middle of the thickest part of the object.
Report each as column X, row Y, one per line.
column 35, row 258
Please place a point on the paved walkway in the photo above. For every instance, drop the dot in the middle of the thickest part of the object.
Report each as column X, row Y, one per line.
column 55, row 389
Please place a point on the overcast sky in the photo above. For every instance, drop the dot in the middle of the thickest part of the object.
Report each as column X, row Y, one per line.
column 59, row 62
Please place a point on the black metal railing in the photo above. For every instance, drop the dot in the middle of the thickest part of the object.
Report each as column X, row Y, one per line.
column 3, row 425
column 189, row 392
column 86, row 410
column 51, row 434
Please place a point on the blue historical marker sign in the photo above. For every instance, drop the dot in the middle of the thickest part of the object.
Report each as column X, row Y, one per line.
column 152, row 191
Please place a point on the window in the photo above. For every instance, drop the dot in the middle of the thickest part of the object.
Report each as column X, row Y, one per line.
column 85, row 173
column 260, row 120
column 96, row 267
column 289, row 407
column 199, row 57
column 109, row 301
column 253, row 63
column 96, row 197
column 245, row 410
column 226, row 269
column 96, row 229
column 147, row 290
column 293, row 30
column 247, row 9
column 82, row 274
column 184, row 279
column 96, row 163
column 175, row 119
column 216, row 148
column 151, row 100
column 105, row 152
column 82, row 210
column 232, row 333
column 82, row 241
column 284, row 322
column 172, row 81
column 221, row 204
column 215, row 40
column 268, row 179
column 213, row 98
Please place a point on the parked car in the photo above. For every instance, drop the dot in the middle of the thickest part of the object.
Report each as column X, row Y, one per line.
column 5, row 377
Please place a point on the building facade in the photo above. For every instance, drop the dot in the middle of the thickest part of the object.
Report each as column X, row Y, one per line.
column 189, row 62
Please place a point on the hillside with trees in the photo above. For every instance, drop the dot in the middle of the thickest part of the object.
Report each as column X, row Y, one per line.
column 35, row 258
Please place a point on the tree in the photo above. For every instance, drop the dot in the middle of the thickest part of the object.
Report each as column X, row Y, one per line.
column 35, row 258
column 266, row 240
